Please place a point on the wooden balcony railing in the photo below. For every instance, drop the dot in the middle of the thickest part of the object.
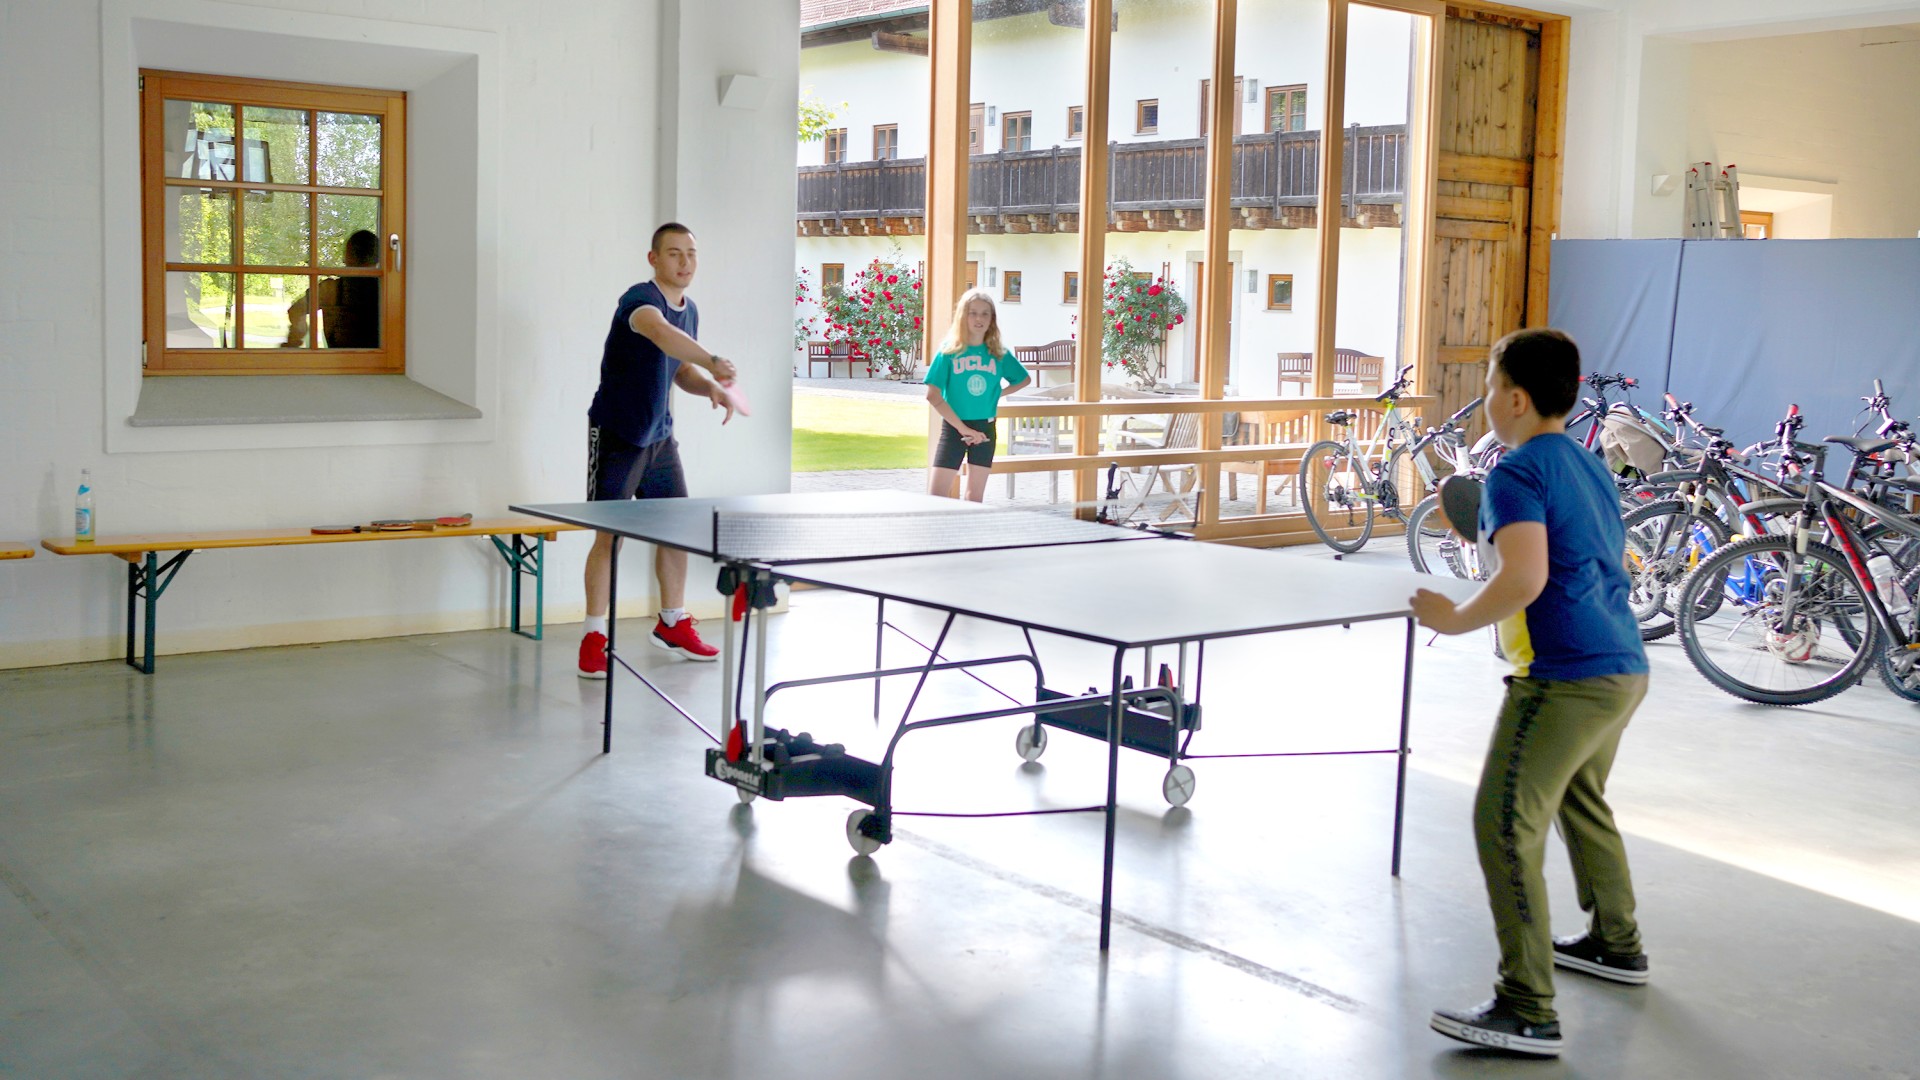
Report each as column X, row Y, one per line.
column 1151, row 186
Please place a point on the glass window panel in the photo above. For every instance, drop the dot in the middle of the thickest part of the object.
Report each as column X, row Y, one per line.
column 277, row 146
column 349, row 150
column 347, row 309
column 1273, row 242
column 342, row 217
column 264, row 322
column 293, row 290
column 197, row 139
column 276, row 228
column 852, row 216
column 200, row 310
column 199, row 225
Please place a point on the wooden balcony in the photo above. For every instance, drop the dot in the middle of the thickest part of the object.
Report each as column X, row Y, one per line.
column 1152, row 187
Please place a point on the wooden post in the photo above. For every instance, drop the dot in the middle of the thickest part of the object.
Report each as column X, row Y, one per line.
column 950, row 47
column 1328, row 200
column 1094, row 195
column 1549, row 108
column 1215, row 313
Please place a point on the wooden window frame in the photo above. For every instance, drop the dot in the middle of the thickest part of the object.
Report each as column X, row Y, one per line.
column 1275, row 279
column 1076, row 123
column 835, row 148
column 1267, row 105
column 1012, row 286
column 977, row 128
column 1762, row 218
column 1070, row 287
column 1140, row 125
column 1006, row 134
column 893, row 142
column 1239, row 89
column 839, row 284
column 157, row 87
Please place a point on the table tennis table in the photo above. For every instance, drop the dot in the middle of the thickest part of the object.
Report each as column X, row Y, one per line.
column 1128, row 589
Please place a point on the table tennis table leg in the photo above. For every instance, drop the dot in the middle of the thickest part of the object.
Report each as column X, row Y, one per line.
column 613, row 619
column 729, row 644
column 1114, row 706
column 879, row 651
column 1400, row 779
column 759, row 631
column 933, row 657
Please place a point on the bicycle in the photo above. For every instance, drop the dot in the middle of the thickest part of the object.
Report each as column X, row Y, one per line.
column 1808, row 616
column 1363, row 479
column 1432, row 546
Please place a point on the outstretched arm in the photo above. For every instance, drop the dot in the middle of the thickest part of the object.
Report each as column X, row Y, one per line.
column 649, row 323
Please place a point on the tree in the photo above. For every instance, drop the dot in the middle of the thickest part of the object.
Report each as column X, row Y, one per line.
column 815, row 116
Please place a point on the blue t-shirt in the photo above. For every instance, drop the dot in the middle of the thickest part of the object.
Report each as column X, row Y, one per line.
column 1580, row 626
column 970, row 380
column 636, row 378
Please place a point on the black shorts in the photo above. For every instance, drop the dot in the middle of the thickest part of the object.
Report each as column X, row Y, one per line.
column 949, row 450
column 617, row 469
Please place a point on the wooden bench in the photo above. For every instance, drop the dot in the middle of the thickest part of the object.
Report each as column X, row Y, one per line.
column 13, row 549
column 1053, row 356
column 831, row 353
column 148, row 577
column 1349, row 366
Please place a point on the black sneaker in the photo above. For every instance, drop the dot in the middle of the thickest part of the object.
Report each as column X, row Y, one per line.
column 1494, row 1024
column 1584, row 954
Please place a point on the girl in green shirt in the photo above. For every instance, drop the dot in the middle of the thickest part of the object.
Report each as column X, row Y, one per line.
column 964, row 387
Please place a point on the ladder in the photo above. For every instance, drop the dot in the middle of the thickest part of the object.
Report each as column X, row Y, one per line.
column 1713, row 203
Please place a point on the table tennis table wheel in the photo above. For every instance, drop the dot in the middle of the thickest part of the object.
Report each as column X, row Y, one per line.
column 1178, row 785
column 745, row 795
column 1030, row 742
column 862, row 843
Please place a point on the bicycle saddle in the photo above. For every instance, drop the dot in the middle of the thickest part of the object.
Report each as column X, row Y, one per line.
column 1340, row 416
column 1713, row 432
column 1862, row 444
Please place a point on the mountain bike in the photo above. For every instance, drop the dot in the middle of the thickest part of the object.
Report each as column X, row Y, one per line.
column 1432, row 547
column 1803, row 618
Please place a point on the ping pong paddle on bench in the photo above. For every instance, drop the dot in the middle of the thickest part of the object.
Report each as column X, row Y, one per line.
column 1460, row 502
column 396, row 525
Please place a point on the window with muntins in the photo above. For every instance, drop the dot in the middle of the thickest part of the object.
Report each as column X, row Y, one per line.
column 273, row 220
column 886, row 142
column 1016, row 131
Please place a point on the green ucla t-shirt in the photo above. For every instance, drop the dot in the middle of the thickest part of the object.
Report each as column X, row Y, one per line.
column 970, row 380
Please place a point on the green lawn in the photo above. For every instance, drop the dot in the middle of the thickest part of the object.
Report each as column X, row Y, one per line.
column 835, row 433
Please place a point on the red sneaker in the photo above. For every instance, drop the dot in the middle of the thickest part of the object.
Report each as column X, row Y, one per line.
column 683, row 639
column 593, row 656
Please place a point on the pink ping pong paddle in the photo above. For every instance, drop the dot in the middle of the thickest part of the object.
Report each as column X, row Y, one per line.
column 736, row 397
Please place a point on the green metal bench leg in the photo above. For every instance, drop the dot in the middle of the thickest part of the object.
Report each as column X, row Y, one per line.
column 147, row 583
column 529, row 558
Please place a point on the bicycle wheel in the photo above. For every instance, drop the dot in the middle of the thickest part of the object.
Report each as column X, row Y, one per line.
column 1665, row 541
column 1333, row 494
column 1433, row 548
column 1900, row 666
column 1750, row 649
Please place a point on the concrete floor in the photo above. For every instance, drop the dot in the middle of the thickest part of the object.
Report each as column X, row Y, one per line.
column 407, row 858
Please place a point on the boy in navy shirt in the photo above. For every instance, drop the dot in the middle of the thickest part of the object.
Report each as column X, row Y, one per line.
column 1558, row 592
column 631, row 452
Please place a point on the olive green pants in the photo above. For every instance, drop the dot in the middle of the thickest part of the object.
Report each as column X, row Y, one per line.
column 1552, row 749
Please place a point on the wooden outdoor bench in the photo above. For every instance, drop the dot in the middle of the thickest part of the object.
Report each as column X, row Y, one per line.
column 11, row 549
column 148, row 577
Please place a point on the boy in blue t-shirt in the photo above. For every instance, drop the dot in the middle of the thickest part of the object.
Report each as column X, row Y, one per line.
column 1558, row 592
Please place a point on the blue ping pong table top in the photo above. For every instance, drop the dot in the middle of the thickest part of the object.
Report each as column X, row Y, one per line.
column 777, row 529
column 1134, row 595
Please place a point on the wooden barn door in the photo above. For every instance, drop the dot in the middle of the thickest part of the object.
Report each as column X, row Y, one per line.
column 1498, row 192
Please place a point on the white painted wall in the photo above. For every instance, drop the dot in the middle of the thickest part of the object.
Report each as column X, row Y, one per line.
column 1635, row 82
column 592, row 157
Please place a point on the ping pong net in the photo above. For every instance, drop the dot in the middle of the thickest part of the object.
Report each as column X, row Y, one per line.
column 776, row 537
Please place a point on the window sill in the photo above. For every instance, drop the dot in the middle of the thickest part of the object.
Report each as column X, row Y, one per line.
column 217, row 400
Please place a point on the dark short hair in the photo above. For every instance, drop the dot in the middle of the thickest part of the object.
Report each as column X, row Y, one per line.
column 666, row 230
column 362, row 248
column 1545, row 363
